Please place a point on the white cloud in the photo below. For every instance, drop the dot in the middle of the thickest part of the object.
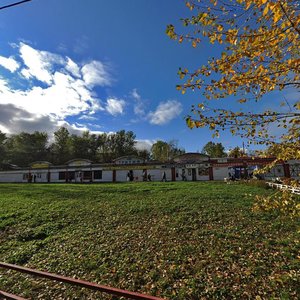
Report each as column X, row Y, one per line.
column 135, row 94
column 14, row 119
column 139, row 105
column 65, row 97
column 144, row 144
column 39, row 64
column 4, row 129
column 165, row 112
column 9, row 63
column 96, row 73
column 81, row 45
column 87, row 117
column 72, row 67
column 115, row 106
column 67, row 91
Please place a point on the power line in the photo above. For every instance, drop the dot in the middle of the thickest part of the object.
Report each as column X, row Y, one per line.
column 14, row 4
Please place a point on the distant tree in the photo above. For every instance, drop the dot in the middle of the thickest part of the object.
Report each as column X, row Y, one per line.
column 2, row 146
column 94, row 146
column 103, row 151
column 25, row 148
column 102, row 148
column 164, row 151
column 84, row 146
column 121, row 143
column 214, row 150
column 61, row 148
column 236, row 152
column 145, row 154
column 160, row 151
column 175, row 150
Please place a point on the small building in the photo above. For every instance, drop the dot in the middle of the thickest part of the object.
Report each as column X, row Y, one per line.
column 192, row 167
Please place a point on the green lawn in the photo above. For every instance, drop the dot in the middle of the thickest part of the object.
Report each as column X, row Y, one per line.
column 175, row 240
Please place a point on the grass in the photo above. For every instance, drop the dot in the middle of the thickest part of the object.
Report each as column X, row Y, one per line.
column 175, row 240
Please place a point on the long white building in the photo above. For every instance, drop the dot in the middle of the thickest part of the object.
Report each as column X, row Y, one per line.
column 187, row 167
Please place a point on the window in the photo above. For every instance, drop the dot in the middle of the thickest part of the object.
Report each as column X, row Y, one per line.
column 87, row 175
column 295, row 170
column 98, row 174
column 62, row 175
column 202, row 171
column 71, row 175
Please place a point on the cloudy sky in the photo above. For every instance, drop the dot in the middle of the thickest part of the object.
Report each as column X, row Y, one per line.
column 98, row 65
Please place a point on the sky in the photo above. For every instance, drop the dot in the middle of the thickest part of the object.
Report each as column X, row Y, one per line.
column 99, row 65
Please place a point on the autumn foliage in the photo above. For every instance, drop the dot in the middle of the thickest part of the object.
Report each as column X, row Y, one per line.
column 260, row 40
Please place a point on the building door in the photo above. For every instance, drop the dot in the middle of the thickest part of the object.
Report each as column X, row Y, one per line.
column 173, row 173
column 78, row 176
column 194, row 175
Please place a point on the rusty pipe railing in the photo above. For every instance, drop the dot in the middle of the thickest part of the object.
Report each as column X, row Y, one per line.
column 79, row 282
column 8, row 296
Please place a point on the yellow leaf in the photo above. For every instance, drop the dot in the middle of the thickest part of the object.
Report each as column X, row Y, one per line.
column 248, row 5
column 190, row 123
column 277, row 16
column 266, row 10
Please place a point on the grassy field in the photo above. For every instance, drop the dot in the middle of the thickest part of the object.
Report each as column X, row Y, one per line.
column 174, row 240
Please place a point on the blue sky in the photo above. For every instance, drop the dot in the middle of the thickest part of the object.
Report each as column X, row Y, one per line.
column 99, row 65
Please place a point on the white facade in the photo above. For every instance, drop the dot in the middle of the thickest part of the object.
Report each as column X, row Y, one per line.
column 194, row 168
column 12, row 176
column 220, row 173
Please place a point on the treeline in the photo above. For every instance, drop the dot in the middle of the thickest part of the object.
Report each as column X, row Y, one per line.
column 24, row 148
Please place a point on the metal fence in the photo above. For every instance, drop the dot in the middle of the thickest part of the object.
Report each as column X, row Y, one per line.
column 72, row 281
column 284, row 187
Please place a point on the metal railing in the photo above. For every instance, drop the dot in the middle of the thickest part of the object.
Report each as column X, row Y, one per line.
column 4, row 295
column 280, row 186
column 73, row 281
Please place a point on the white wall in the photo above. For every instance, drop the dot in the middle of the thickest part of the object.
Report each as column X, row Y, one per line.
column 41, row 175
column 106, row 176
column 219, row 173
column 12, row 176
column 54, row 175
column 155, row 174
